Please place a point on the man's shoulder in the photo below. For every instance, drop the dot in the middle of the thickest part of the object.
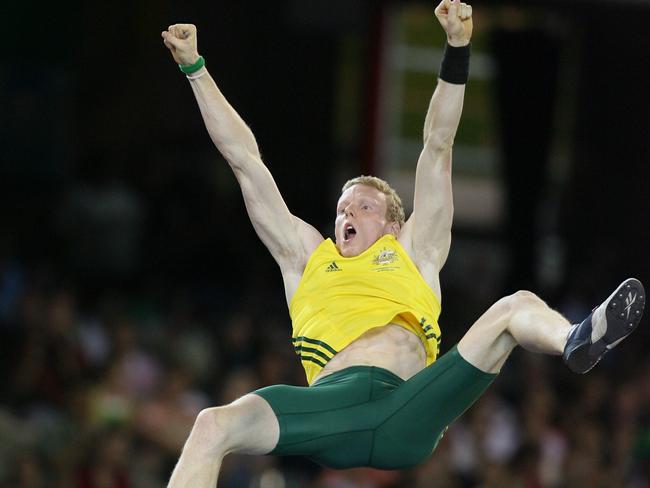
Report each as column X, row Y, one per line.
column 405, row 238
column 424, row 259
column 310, row 238
column 312, row 246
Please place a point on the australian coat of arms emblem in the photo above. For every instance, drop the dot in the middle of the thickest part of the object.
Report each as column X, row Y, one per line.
column 385, row 256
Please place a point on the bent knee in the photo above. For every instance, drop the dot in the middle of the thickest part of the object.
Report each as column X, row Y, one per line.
column 504, row 308
column 524, row 307
column 523, row 299
column 503, row 312
column 211, row 423
column 208, row 417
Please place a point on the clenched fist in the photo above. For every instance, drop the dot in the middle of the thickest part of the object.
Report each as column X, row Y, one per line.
column 456, row 18
column 180, row 39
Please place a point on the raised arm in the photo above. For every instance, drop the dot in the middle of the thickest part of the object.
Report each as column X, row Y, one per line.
column 289, row 239
column 429, row 227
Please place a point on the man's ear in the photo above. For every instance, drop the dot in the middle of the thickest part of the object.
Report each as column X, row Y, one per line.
column 393, row 228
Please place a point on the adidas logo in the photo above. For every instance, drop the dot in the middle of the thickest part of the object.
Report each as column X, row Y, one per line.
column 332, row 267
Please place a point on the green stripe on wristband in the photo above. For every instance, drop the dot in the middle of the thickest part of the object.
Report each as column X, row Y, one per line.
column 188, row 69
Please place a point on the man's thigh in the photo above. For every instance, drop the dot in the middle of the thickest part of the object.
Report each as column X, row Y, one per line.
column 253, row 426
column 367, row 416
column 333, row 421
column 425, row 405
column 487, row 344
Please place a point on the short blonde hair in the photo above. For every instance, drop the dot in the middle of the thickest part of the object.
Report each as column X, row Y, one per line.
column 394, row 207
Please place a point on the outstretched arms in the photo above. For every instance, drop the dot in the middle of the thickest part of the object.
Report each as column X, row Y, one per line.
column 289, row 239
column 429, row 227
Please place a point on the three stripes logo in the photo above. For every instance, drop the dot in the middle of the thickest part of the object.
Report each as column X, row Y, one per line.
column 332, row 267
column 430, row 333
column 312, row 350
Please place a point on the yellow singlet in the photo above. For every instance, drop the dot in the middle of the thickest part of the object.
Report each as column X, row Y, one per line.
column 339, row 298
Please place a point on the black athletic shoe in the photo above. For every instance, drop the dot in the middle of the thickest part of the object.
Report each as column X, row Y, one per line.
column 607, row 325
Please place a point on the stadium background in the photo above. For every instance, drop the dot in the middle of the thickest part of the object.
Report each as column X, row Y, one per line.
column 133, row 291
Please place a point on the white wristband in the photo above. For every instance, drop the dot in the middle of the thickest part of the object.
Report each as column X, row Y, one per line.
column 192, row 78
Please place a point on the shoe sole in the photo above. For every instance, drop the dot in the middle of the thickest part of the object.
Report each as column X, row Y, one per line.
column 623, row 312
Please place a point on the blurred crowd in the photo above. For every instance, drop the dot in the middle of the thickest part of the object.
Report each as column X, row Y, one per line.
column 102, row 392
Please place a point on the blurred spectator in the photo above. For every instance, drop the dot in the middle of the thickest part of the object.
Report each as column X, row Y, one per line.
column 167, row 418
column 107, row 463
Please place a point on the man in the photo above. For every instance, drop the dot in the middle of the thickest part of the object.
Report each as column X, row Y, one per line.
column 365, row 309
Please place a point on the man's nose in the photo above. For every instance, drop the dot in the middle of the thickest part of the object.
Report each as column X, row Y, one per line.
column 349, row 212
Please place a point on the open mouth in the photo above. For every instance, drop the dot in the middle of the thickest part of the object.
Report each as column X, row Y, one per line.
column 349, row 232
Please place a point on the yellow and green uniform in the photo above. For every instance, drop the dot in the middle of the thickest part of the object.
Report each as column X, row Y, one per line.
column 339, row 298
column 365, row 415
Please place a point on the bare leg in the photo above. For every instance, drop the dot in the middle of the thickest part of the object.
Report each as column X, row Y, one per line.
column 246, row 426
column 519, row 319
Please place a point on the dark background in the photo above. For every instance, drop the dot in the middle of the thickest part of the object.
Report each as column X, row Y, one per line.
column 91, row 99
column 117, row 209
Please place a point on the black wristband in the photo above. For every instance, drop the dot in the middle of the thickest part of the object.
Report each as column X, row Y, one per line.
column 455, row 65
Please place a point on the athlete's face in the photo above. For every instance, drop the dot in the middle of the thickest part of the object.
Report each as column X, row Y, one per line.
column 361, row 219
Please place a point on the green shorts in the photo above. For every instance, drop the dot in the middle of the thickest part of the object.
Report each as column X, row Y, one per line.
column 368, row 416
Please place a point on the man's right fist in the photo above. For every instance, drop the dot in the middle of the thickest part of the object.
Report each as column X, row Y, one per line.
column 180, row 39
